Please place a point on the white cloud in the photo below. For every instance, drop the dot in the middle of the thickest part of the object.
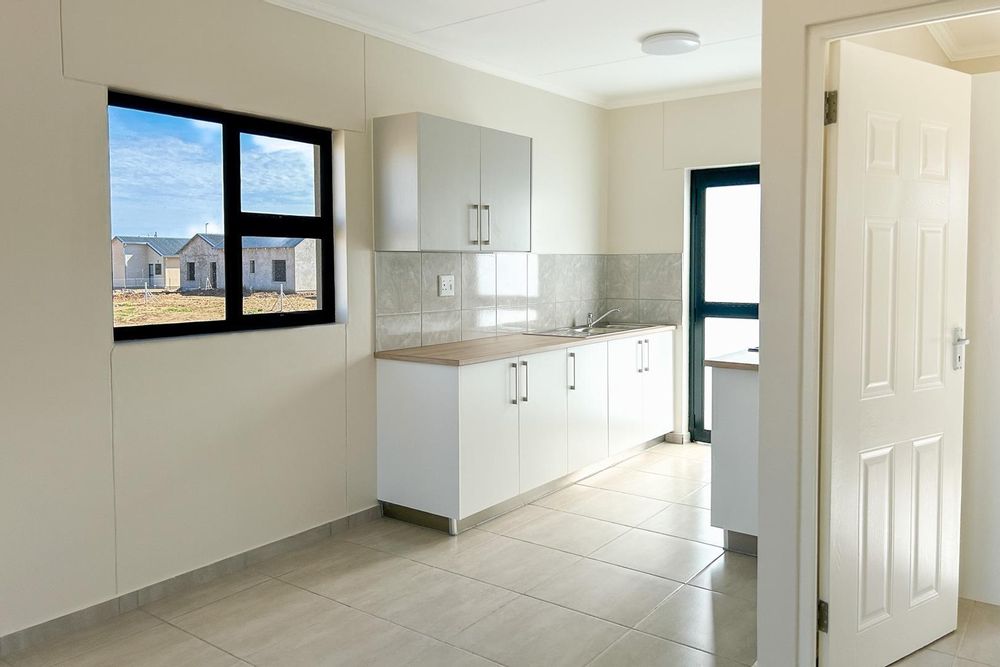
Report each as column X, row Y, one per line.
column 274, row 145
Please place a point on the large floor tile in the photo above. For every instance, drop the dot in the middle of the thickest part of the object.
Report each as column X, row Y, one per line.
column 394, row 536
column 673, row 466
column 532, row 632
column 687, row 521
column 700, row 498
column 332, row 549
column 926, row 658
column 662, row 555
column 950, row 642
column 981, row 642
column 434, row 602
column 509, row 563
column 258, row 618
column 647, row 484
column 568, row 532
column 505, row 523
column 177, row 604
column 362, row 584
column 712, row 622
column 83, row 641
column 623, row 508
column 732, row 574
column 636, row 648
column 448, row 546
column 162, row 646
column 607, row 591
column 694, row 450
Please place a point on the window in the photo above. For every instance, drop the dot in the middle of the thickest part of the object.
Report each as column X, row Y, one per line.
column 725, row 277
column 278, row 270
column 212, row 192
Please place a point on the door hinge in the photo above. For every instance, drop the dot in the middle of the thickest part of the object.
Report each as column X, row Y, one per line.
column 823, row 616
column 830, row 108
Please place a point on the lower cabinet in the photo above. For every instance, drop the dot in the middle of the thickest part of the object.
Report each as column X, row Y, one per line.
column 587, row 409
column 640, row 389
column 658, row 386
column 542, row 415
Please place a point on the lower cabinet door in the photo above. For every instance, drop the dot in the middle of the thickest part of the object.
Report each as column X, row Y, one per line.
column 542, row 418
column 488, row 452
column 588, row 404
column 625, row 394
column 658, row 386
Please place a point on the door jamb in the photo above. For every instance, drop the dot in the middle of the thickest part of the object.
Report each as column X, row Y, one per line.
column 818, row 38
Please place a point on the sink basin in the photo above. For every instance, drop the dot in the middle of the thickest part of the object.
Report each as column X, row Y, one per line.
column 590, row 332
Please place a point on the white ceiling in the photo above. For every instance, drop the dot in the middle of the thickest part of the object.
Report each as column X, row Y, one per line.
column 969, row 38
column 585, row 49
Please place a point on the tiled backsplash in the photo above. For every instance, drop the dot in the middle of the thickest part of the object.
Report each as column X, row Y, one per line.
column 499, row 293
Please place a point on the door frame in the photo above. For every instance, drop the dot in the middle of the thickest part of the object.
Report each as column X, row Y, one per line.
column 806, row 533
column 699, row 309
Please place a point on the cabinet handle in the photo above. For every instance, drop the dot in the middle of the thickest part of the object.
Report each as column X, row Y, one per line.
column 474, row 229
column 572, row 383
column 485, row 216
column 513, row 384
column 524, row 396
column 638, row 360
column 646, row 347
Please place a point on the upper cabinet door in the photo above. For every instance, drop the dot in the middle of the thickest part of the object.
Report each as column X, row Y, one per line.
column 449, row 185
column 506, row 192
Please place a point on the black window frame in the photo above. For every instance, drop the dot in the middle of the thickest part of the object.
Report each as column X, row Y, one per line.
column 239, row 224
column 191, row 271
column 253, row 266
column 275, row 263
column 157, row 269
column 702, row 180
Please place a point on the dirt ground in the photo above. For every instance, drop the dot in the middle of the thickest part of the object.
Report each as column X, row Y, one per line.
column 132, row 308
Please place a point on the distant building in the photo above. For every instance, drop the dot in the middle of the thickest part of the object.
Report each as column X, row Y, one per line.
column 141, row 261
column 269, row 264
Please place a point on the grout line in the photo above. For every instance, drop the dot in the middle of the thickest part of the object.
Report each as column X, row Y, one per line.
column 200, row 607
column 202, row 639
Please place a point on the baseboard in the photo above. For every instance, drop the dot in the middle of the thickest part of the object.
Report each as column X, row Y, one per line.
column 678, row 438
column 16, row 642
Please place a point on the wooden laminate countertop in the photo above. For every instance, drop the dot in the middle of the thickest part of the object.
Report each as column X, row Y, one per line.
column 490, row 349
column 740, row 361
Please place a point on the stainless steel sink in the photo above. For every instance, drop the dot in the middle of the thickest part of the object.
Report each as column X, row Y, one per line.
column 590, row 332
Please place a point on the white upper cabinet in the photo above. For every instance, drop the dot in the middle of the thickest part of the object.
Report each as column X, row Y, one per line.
column 448, row 186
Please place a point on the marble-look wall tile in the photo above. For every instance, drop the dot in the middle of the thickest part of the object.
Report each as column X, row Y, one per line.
column 656, row 311
column 567, row 278
column 479, row 280
column 543, row 278
column 393, row 332
column 479, row 323
column 512, row 319
column 512, row 279
column 660, row 276
column 441, row 327
column 435, row 264
column 578, row 311
column 592, row 277
column 397, row 283
column 629, row 310
column 621, row 277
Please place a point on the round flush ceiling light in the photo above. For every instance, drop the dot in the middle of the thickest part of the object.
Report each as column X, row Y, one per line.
column 671, row 43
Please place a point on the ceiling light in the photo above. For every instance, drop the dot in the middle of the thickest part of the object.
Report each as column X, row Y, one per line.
column 671, row 43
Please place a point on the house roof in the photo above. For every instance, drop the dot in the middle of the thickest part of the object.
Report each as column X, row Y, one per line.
column 218, row 241
column 164, row 246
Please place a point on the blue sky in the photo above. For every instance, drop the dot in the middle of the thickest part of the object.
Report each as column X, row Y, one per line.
column 166, row 174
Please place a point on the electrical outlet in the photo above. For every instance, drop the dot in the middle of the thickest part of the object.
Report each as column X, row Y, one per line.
column 446, row 285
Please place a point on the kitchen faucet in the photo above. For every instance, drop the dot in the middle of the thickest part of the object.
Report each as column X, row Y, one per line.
column 590, row 317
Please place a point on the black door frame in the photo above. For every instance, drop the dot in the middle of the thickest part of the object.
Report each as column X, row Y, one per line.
column 701, row 180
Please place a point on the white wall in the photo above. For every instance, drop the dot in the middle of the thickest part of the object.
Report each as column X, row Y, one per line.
column 980, row 576
column 914, row 42
column 229, row 470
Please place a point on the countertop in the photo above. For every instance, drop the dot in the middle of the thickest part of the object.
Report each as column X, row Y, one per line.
column 490, row 349
column 743, row 360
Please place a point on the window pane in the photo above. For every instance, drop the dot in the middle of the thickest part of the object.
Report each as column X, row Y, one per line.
column 277, row 176
column 722, row 336
column 280, row 275
column 732, row 244
column 166, row 211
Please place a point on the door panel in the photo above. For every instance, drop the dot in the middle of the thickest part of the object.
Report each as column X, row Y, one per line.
column 624, row 394
column 488, row 430
column 588, row 404
column 449, row 183
column 542, row 418
column 658, row 386
column 506, row 188
column 894, row 290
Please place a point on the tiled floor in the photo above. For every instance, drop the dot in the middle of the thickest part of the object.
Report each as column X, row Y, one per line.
column 620, row 569
column 976, row 642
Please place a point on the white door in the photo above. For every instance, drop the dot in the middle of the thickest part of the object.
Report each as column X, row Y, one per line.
column 449, row 184
column 587, row 368
column 506, row 194
column 488, row 418
column 897, row 186
column 542, row 418
column 658, row 385
column 625, row 358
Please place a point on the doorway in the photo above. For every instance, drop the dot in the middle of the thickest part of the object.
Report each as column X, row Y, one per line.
column 725, row 277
